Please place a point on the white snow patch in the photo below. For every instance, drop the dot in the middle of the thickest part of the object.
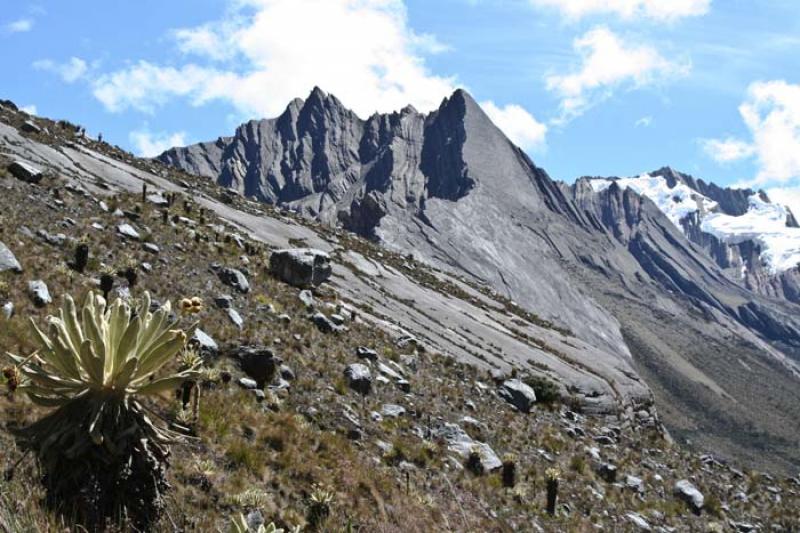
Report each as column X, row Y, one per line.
column 676, row 202
column 765, row 224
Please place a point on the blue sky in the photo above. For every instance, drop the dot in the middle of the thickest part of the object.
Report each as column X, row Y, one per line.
column 587, row 87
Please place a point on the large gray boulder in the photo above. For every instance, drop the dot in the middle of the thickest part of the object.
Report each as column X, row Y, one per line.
column 301, row 267
column 7, row 260
column 518, row 394
column 25, row 171
column 204, row 343
column 258, row 362
column 687, row 492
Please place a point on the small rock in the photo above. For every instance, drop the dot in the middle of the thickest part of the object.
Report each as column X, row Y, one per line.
column 8, row 310
column 126, row 230
column 39, row 293
column 307, row 298
column 388, row 372
column 638, row 520
column 634, row 483
column 366, row 353
column 235, row 317
column 157, row 199
column 324, row 324
column 247, row 383
column 224, row 301
column 607, row 472
column 7, row 260
column 687, row 492
column 150, row 247
column 518, row 394
column 234, row 278
column 391, row 410
column 337, row 319
column 284, row 318
column 403, row 385
column 359, row 378
column 287, row 373
column 205, row 344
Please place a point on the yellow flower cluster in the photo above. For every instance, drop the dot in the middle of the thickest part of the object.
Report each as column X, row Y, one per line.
column 191, row 306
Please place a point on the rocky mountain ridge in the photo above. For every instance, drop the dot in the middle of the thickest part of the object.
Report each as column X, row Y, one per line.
column 609, row 266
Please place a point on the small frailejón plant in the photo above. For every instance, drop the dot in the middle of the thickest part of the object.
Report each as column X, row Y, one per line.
column 101, row 457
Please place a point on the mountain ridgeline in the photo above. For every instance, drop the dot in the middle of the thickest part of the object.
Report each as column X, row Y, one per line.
column 720, row 350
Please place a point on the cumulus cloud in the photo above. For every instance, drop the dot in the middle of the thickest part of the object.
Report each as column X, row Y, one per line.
column 608, row 63
column 788, row 196
column 363, row 51
column 148, row 144
column 518, row 125
column 727, row 150
column 644, row 122
column 19, row 26
column 70, row 71
column 771, row 113
column 660, row 10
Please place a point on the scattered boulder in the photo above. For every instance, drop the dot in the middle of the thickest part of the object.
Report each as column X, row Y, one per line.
column 25, row 171
column 204, row 343
column 358, row 378
column 234, row 278
column 307, row 298
column 247, row 383
column 460, row 442
column 687, row 492
column 324, row 324
column 287, row 373
column 301, row 267
column 391, row 410
column 638, row 520
column 30, row 126
column 126, row 230
column 518, row 394
column 634, row 483
column 607, row 472
column 258, row 362
column 39, row 293
column 7, row 260
column 8, row 310
column 150, row 247
column 224, row 301
column 366, row 353
column 403, row 385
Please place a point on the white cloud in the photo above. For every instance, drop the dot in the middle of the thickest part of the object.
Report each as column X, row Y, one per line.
column 29, row 109
column 70, row 72
column 727, row 150
column 771, row 113
column 644, row 122
column 149, row 144
column 19, row 26
column 661, row 10
column 518, row 125
column 363, row 51
column 608, row 63
column 788, row 196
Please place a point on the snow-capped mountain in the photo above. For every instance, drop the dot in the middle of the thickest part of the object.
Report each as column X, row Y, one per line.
column 755, row 240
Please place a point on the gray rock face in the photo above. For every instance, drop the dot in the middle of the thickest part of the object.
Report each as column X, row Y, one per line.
column 518, row 394
column 234, row 278
column 8, row 260
column 687, row 492
column 25, row 171
column 359, row 378
column 301, row 267
column 39, row 293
